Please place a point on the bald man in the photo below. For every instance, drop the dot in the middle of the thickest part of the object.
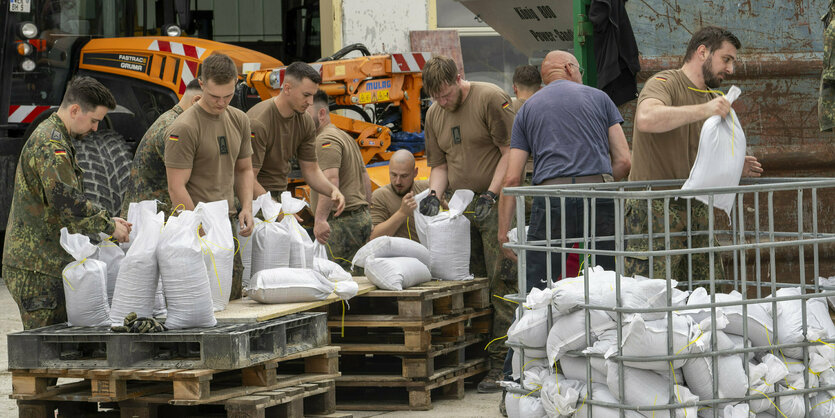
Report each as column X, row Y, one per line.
column 574, row 133
column 393, row 205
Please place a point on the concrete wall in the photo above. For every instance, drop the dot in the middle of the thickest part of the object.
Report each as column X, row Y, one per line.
column 384, row 25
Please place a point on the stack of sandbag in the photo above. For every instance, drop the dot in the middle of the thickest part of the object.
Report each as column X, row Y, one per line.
column 138, row 278
column 301, row 245
column 111, row 254
column 270, row 242
column 184, row 276
column 218, row 248
column 289, row 285
column 344, row 285
column 394, row 263
column 529, row 332
column 447, row 236
column 85, row 283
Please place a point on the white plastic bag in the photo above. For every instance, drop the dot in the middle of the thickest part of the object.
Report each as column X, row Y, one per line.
column 447, row 236
column 111, row 254
column 732, row 382
column 649, row 339
column 218, row 251
column 532, row 358
column 569, row 332
column 138, row 276
column 301, row 246
column 245, row 243
column 762, row 377
column 396, row 273
column 270, row 241
column 85, row 283
column 759, row 321
column 385, row 246
column 721, row 156
column 183, row 272
column 790, row 316
column 289, row 285
column 560, row 395
column 135, row 217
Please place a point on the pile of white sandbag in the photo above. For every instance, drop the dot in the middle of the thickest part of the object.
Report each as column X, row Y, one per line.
column 647, row 377
column 447, row 236
column 394, row 263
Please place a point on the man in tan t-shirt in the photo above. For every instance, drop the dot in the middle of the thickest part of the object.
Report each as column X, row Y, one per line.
column 281, row 130
column 467, row 143
column 208, row 152
column 671, row 109
column 341, row 161
column 393, row 205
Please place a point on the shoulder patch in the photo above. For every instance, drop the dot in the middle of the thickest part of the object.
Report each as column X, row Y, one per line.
column 505, row 105
column 173, row 137
column 56, row 135
column 60, row 152
column 251, row 135
column 659, row 78
column 326, row 144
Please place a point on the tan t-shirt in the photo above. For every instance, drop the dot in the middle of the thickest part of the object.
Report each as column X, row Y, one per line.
column 336, row 149
column 468, row 139
column 385, row 202
column 667, row 155
column 209, row 145
column 275, row 140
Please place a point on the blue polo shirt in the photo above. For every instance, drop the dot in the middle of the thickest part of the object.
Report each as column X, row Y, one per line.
column 565, row 127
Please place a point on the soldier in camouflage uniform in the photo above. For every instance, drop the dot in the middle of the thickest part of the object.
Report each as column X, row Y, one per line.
column 826, row 101
column 341, row 161
column 147, row 173
column 49, row 195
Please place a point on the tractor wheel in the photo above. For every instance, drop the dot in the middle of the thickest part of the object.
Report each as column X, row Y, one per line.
column 105, row 158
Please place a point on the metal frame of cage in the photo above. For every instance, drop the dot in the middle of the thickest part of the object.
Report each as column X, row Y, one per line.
column 761, row 239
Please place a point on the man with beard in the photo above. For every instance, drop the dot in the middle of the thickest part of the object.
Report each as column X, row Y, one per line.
column 467, row 144
column 393, row 205
column 672, row 107
column 282, row 130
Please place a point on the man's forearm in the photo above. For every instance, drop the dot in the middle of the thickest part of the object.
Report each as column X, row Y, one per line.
column 317, row 181
column 438, row 180
column 323, row 208
column 389, row 226
column 660, row 118
column 244, row 186
column 179, row 196
column 499, row 174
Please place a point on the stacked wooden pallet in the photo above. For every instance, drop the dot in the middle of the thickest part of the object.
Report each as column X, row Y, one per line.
column 281, row 367
column 398, row 347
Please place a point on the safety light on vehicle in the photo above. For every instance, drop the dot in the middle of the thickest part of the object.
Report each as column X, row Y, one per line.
column 27, row 65
column 28, row 30
column 173, row 30
column 24, row 48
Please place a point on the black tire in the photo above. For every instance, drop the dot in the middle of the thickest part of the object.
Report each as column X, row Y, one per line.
column 105, row 158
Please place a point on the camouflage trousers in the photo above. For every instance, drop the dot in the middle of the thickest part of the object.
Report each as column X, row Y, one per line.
column 349, row 232
column 636, row 223
column 40, row 298
column 826, row 100
column 237, row 266
column 486, row 259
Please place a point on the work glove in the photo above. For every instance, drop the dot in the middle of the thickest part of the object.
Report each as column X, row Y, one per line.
column 430, row 205
column 484, row 204
column 137, row 325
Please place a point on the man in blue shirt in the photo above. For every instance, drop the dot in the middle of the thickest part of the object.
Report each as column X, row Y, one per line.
column 574, row 134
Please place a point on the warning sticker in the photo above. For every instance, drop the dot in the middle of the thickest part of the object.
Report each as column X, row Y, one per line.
column 130, row 62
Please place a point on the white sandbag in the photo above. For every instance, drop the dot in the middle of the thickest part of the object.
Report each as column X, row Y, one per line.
column 138, row 276
column 757, row 317
column 345, row 289
column 575, row 368
column 289, row 285
column 559, row 396
column 447, row 236
column 134, row 218
column 184, row 277
column 301, row 245
column 828, row 282
column 319, row 250
column 531, row 329
column 85, row 283
column 646, row 388
column 160, row 309
column 569, row 332
column 736, row 411
column 569, row 293
column 791, row 406
column 523, row 358
column 385, row 247
column 245, row 243
column 761, row 379
column 823, row 404
column 721, row 157
column 332, row 271
column 112, row 255
column 732, row 382
column 218, row 251
column 396, row 273
column 271, row 243
column 649, row 339
column 790, row 316
column 511, row 401
column 600, row 392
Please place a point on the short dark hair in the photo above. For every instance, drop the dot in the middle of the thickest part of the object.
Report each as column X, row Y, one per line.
column 320, row 99
column 194, row 85
column 218, row 68
column 527, row 76
column 300, row 70
column 88, row 93
column 437, row 72
column 712, row 38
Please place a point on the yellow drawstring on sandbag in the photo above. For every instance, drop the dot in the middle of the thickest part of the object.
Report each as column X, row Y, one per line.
column 494, row 340
column 65, row 276
column 772, row 402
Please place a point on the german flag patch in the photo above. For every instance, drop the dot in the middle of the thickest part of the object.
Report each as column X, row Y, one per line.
column 505, row 105
column 173, row 137
column 326, row 144
column 60, row 152
column 252, row 135
column 664, row 79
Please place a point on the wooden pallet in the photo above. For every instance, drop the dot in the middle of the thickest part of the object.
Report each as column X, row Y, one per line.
column 317, row 398
column 393, row 393
column 440, row 356
column 388, row 334
column 423, row 301
column 185, row 387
